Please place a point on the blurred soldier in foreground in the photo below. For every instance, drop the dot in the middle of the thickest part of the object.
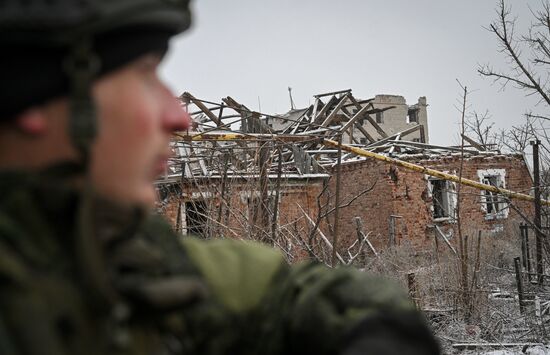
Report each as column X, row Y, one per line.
column 84, row 268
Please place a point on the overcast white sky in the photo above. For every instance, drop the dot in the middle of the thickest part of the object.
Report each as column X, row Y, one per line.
column 251, row 48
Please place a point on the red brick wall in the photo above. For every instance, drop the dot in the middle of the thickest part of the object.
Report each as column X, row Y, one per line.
column 396, row 191
column 374, row 207
column 238, row 223
column 404, row 193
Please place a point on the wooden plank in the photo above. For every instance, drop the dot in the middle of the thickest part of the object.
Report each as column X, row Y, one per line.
column 473, row 143
column 377, row 127
column 354, row 104
column 372, row 122
column 334, row 112
column 402, row 134
column 365, row 133
column 392, row 148
column 251, row 116
column 445, row 239
column 432, row 147
column 362, row 112
column 324, row 109
column 203, row 108
column 297, row 124
column 332, row 93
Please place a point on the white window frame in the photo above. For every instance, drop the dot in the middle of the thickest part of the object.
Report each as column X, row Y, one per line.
column 500, row 207
column 449, row 196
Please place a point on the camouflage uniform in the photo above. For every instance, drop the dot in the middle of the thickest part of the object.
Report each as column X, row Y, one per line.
column 137, row 288
column 81, row 275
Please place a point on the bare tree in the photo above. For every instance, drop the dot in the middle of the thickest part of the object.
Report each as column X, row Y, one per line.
column 517, row 138
column 480, row 128
column 528, row 57
column 528, row 54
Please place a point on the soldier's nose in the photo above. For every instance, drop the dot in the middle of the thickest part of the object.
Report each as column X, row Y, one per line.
column 175, row 117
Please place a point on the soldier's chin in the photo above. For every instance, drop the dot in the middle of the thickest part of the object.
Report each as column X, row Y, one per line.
column 147, row 197
column 143, row 196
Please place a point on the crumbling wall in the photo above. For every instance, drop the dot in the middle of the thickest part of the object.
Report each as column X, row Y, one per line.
column 373, row 207
column 398, row 118
column 233, row 217
column 405, row 194
column 473, row 213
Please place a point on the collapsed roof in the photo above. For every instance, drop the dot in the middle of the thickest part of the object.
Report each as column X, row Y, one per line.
column 229, row 139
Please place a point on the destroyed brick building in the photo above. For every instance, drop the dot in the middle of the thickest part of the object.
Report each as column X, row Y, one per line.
column 293, row 186
column 407, row 206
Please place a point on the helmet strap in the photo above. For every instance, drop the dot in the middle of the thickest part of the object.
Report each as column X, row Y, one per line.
column 82, row 66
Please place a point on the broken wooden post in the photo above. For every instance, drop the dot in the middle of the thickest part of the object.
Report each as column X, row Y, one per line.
column 525, row 252
column 519, row 285
column 528, row 252
column 523, row 243
column 538, row 312
column 537, row 202
column 178, row 217
column 274, row 221
column 337, row 202
column 477, row 263
column 413, row 290
column 225, row 159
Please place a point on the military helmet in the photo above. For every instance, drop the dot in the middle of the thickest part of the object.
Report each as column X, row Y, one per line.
column 55, row 48
column 58, row 22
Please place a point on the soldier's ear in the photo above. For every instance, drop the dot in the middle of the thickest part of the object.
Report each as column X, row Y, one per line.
column 32, row 122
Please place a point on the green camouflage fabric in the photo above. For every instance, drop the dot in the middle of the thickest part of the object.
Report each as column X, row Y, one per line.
column 137, row 287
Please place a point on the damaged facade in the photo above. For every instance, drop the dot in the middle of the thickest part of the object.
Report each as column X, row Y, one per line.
column 276, row 180
column 410, row 207
column 401, row 117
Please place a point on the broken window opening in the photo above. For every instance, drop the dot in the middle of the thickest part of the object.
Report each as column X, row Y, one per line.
column 413, row 115
column 443, row 199
column 196, row 217
column 492, row 203
column 380, row 117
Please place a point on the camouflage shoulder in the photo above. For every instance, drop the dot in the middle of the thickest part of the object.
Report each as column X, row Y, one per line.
column 240, row 273
column 319, row 306
column 350, row 286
